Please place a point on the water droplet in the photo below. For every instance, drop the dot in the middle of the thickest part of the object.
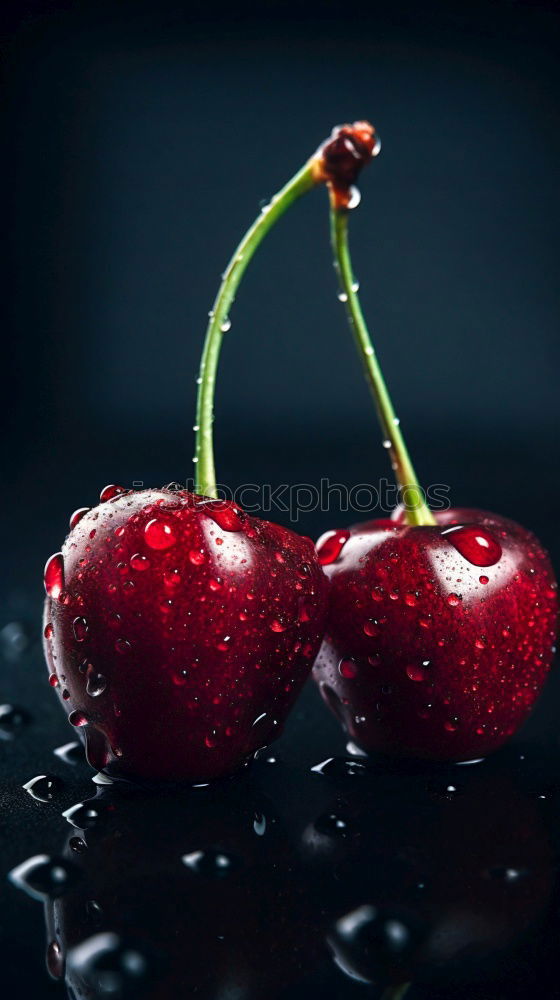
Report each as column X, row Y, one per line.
column 259, row 824
column 210, row 863
column 108, row 967
column 452, row 725
column 354, row 198
column 78, row 719
column 44, row 877
column 330, row 546
column 370, row 627
column 44, row 787
column 410, row 600
column 348, row 668
column 49, row 631
column 277, row 625
column 139, row 562
column 226, row 325
column 159, row 535
column 123, row 646
column 342, row 297
column 483, row 579
column 226, row 515
column 70, row 753
column 96, row 684
column 355, row 286
column 54, row 575
column 477, row 545
column 171, row 578
column 418, row 672
column 110, row 492
column 55, row 960
column 453, row 600
column 197, row 557
column 337, row 767
column 83, row 815
column 80, row 629
column 53, row 680
column 386, row 443
column 480, row 643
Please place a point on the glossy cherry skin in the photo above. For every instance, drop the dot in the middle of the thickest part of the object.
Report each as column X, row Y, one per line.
column 439, row 639
column 179, row 632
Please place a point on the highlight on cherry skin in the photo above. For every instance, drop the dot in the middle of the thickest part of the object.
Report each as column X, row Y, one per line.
column 178, row 631
column 439, row 639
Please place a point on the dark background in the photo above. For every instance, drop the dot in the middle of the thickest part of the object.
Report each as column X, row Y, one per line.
column 138, row 141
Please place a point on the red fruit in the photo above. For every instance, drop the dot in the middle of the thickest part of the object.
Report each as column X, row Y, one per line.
column 439, row 639
column 181, row 632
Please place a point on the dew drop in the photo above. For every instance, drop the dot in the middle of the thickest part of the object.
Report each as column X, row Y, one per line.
column 78, row 719
column 55, row 960
column 139, row 562
column 111, row 491
column 49, row 631
column 348, row 669
column 159, row 535
column 418, row 672
column 370, row 627
column 80, row 629
column 197, row 557
column 483, row 579
column 226, row 515
column 477, row 545
column 453, row 600
column 330, row 546
column 76, row 517
column 95, row 683
column 123, row 645
column 43, row 788
column 226, row 325
column 54, row 575
column 44, row 877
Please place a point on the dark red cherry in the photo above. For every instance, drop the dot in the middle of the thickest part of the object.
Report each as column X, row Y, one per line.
column 439, row 639
column 179, row 632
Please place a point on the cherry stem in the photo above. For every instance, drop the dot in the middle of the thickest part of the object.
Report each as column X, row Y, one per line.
column 416, row 510
column 205, row 472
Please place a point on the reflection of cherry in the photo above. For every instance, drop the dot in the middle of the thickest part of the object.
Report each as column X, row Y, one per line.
column 179, row 631
column 439, row 638
column 182, row 896
column 443, row 877
column 440, row 632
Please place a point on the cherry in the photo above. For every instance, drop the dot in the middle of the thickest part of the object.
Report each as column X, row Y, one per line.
column 180, row 632
column 441, row 629
column 431, row 649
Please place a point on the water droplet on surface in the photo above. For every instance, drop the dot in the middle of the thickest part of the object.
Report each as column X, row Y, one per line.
column 111, row 491
column 370, row 627
column 139, row 562
column 49, row 631
column 453, row 600
column 226, row 515
column 80, row 629
column 159, row 535
column 210, row 863
column 342, row 297
column 108, row 967
column 43, row 788
column 337, row 767
column 70, row 753
column 83, row 815
column 348, row 668
column 54, row 575
column 277, row 625
column 386, row 443
column 76, row 517
column 330, row 546
column 418, row 671
column 226, row 325
column 354, row 199
column 259, row 824
column 197, row 557
column 483, row 579
column 44, row 877
column 55, row 960
column 452, row 725
column 477, row 545
column 123, row 646
column 78, row 719
column 96, row 683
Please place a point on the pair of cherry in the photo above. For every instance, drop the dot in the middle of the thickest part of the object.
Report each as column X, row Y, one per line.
column 179, row 631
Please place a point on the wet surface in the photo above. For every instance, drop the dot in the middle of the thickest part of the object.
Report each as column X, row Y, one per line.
column 313, row 873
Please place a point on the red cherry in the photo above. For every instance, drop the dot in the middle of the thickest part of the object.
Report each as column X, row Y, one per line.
column 446, row 662
column 178, row 667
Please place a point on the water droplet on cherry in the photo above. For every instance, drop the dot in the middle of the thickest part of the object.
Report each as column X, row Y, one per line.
column 54, row 575
column 330, row 546
column 159, row 535
column 474, row 543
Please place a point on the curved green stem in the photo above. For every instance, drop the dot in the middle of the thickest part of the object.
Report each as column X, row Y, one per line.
column 416, row 509
column 205, row 473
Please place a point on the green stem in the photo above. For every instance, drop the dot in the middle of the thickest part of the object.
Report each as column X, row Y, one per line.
column 205, row 473
column 416, row 509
